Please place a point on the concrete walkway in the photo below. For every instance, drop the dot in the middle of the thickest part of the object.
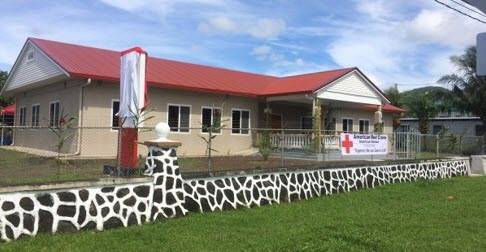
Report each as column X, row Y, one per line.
column 32, row 151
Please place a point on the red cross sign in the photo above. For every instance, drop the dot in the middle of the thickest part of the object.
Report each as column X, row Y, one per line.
column 347, row 144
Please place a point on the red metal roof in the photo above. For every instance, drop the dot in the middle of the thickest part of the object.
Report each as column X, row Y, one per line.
column 9, row 110
column 89, row 62
column 392, row 109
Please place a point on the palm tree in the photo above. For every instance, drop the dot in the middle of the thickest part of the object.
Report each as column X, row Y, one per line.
column 423, row 107
column 468, row 87
column 395, row 97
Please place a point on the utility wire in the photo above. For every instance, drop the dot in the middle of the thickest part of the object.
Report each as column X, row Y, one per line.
column 469, row 8
column 459, row 11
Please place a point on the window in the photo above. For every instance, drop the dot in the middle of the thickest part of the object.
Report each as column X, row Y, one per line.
column 178, row 118
column 54, row 111
column 436, row 129
column 211, row 117
column 115, row 108
column 22, row 116
column 364, row 126
column 30, row 55
column 35, row 115
column 347, row 125
column 306, row 122
column 479, row 130
column 240, row 121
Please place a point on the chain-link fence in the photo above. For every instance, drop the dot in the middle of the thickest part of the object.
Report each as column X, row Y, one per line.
column 207, row 151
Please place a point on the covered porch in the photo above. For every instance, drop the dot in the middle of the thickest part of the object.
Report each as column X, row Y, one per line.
column 312, row 121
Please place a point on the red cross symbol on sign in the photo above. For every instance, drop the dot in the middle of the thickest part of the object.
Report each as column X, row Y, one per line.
column 347, row 144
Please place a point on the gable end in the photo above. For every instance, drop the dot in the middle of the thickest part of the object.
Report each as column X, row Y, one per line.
column 32, row 68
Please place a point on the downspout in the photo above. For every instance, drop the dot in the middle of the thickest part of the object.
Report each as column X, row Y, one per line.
column 80, row 117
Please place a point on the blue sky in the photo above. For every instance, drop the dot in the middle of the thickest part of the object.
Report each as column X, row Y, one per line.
column 400, row 41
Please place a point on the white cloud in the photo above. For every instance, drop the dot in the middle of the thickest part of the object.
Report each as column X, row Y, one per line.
column 261, row 50
column 443, row 27
column 395, row 46
column 280, row 65
column 261, row 28
column 266, row 28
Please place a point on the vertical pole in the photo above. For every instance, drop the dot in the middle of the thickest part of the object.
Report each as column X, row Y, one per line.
column 408, row 146
column 316, row 124
column 282, row 163
column 394, row 145
column 210, row 148
column 437, row 146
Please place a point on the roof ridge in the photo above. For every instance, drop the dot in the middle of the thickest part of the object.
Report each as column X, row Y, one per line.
column 321, row 72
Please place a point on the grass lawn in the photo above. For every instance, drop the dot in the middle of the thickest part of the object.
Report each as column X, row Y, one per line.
column 425, row 216
column 21, row 168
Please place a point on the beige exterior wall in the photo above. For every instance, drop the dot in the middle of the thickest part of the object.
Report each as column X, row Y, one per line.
column 68, row 94
column 98, row 139
column 102, row 142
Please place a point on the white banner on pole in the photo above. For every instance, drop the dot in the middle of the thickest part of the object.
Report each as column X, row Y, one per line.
column 132, row 84
column 363, row 144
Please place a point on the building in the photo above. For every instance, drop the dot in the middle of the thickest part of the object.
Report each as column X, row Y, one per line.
column 461, row 126
column 50, row 79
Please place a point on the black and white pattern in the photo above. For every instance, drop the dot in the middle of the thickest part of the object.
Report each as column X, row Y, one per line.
column 247, row 191
column 28, row 213
column 169, row 195
column 168, row 199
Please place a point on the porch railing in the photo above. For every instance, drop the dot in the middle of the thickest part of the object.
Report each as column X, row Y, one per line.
column 300, row 141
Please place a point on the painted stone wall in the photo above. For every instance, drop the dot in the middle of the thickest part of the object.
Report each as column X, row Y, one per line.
column 169, row 195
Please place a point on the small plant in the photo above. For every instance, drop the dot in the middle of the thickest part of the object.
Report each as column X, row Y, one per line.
column 264, row 145
column 62, row 129
column 214, row 126
column 378, row 127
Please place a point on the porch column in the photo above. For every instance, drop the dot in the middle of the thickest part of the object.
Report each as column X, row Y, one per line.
column 378, row 127
column 316, row 124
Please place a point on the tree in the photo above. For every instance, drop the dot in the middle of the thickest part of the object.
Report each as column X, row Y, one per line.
column 4, row 101
column 467, row 86
column 395, row 97
column 423, row 107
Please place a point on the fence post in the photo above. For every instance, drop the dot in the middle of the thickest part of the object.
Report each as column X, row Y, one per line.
column 282, row 136
column 394, row 135
column 437, row 152
column 1, row 137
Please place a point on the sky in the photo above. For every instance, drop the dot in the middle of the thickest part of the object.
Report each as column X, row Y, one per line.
column 408, row 42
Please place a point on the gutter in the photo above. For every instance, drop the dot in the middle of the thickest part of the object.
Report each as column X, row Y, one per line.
column 80, row 119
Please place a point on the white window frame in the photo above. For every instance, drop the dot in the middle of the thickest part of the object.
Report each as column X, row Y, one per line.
column 59, row 117
column 209, row 107
column 302, row 121
column 179, row 119
column 22, row 116
column 342, row 124
column 30, row 52
column 359, row 125
column 32, row 115
column 241, row 117
column 113, row 129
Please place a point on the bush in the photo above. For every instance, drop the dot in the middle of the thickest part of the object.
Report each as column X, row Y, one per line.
column 264, row 145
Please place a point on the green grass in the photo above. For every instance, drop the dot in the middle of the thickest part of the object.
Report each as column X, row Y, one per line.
column 424, row 216
column 21, row 168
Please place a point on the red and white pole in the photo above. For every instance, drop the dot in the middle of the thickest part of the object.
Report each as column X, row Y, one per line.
column 133, row 100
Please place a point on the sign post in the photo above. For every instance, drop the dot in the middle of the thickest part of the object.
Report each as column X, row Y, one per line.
column 132, row 101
